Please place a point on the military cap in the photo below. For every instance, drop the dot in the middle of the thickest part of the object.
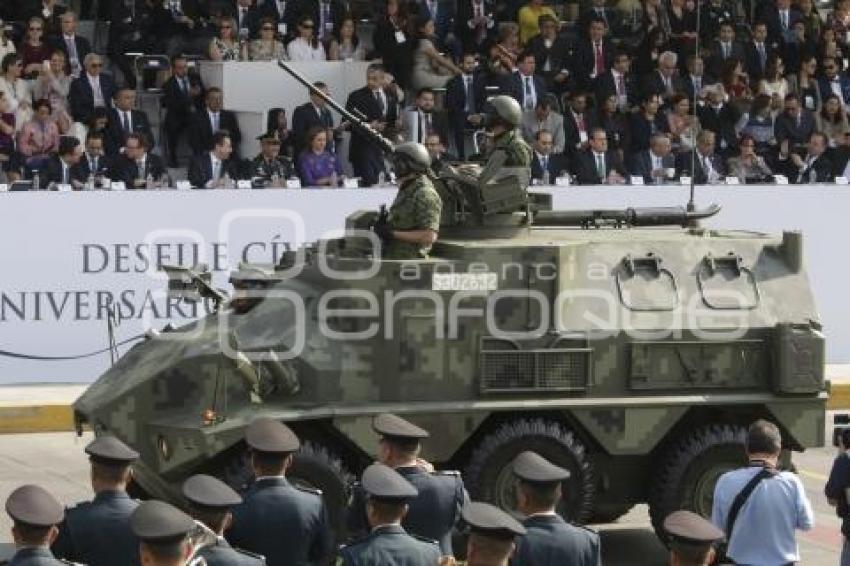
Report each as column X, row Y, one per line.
column 393, row 426
column 110, row 449
column 158, row 522
column 383, row 482
column 491, row 521
column 208, row 492
column 269, row 435
column 269, row 137
column 33, row 505
column 532, row 467
column 686, row 527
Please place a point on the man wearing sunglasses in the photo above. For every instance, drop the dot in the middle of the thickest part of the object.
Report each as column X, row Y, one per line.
column 93, row 89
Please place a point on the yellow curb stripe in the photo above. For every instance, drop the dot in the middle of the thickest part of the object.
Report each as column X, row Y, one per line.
column 41, row 418
column 813, row 475
column 839, row 396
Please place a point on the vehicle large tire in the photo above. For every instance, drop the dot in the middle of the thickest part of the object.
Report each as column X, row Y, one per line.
column 610, row 512
column 690, row 468
column 488, row 475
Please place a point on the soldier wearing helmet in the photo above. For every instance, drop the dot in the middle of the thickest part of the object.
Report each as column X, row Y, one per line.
column 508, row 148
column 413, row 222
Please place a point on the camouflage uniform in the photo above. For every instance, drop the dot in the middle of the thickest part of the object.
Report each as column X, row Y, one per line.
column 517, row 152
column 417, row 206
column 282, row 167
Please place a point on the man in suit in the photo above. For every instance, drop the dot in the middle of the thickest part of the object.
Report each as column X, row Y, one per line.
column 211, row 119
column 598, row 10
column 663, row 81
column 284, row 12
column 421, row 119
column 549, row 539
column 794, row 124
column 524, row 85
column 578, row 122
column 719, row 117
column 544, row 117
column 597, row 165
column 654, row 163
column 713, row 14
column 94, row 163
column 214, row 169
column 137, row 165
column 834, row 81
column 282, row 521
column 618, row 81
column 98, row 531
column 312, row 114
column 475, row 24
column 465, row 102
column 247, row 16
column 546, row 164
column 91, row 90
column 725, row 48
column 593, row 55
column 708, row 169
column 780, row 19
column 758, row 52
column 57, row 169
column 125, row 120
column 696, row 78
column 183, row 97
column 379, row 109
column 75, row 47
column 815, row 167
column 552, row 55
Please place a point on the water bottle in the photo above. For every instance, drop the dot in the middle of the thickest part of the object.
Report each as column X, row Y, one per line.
column 149, row 181
column 90, row 183
column 546, row 177
column 36, row 180
column 225, row 181
column 382, row 178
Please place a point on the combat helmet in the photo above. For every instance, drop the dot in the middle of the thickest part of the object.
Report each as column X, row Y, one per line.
column 410, row 157
column 506, row 109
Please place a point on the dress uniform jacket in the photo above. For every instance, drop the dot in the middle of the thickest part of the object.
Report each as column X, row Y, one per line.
column 390, row 545
column 222, row 554
column 33, row 556
column 417, row 206
column 550, row 540
column 98, row 532
column 286, row 524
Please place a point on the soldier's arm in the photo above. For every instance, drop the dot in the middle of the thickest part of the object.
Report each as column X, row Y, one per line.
column 493, row 166
column 427, row 211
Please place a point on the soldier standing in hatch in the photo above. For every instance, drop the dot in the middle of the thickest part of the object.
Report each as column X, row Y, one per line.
column 435, row 511
column 98, row 532
column 414, row 217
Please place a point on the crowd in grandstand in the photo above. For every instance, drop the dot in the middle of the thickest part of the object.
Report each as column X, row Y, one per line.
column 644, row 89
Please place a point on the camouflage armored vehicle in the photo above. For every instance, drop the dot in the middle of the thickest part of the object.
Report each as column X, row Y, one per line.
column 631, row 347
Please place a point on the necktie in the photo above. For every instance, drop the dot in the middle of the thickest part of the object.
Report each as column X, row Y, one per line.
column 215, row 122
column 72, row 49
column 428, row 123
column 668, row 85
column 96, row 92
column 545, row 163
column 93, row 165
column 184, row 84
column 697, row 84
column 379, row 99
column 600, row 166
column 241, row 17
column 140, row 166
column 725, row 50
column 784, row 19
column 470, row 98
column 126, row 120
column 600, row 59
column 529, row 95
column 580, row 122
column 64, row 173
column 762, row 55
column 621, row 85
column 216, row 169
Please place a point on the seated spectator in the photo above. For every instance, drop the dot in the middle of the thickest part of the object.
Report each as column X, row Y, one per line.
column 226, row 46
column 552, row 55
column 681, row 124
column 736, row 83
column 654, row 16
column 283, row 13
column 266, row 48
column 524, row 85
column 708, row 169
column 73, row 46
column 54, row 86
column 305, row 46
column 780, row 18
column 758, row 124
column 578, row 122
column 39, row 137
column 475, row 24
column 440, row 158
column 615, row 122
column 213, row 118
column 420, row 120
column 98, row 124
column 10, row 162
column 648, row 52
column 724, row 48
column 794, row 124
column 277, row 125
column 832, row 120
column 593, row 55
column 34, row 51
column 758, row 52
column 318, row 166
column 805, row 44
column 94, row 165
column 529, row 18
column 125, row 120
column 49, row 11
column 834, row 82
column 714, row 14
column 695, row 78
column 719, row 117
column 597, row 164
column 430, row 69
column 6, row 44
column 543, row 117
column 270, row 166
column 57, row 168
column 656, row 163
column 773, row 83
column 547, row 164
column 137, row 167
column 749, row 167
column 598, row 10
column 246, row 19
column 345, row 45
column 16, row 89
column 683, row 26
column 93, row 89
column 503, row 54
column 214, row 169
column 813, row 167
column 465, row 101
column 618, row 81
column 645, row 123
column 663, row 81
column 805, row 85
column 305, row 117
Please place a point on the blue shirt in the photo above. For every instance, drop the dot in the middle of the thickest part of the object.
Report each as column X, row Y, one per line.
column 764, row 531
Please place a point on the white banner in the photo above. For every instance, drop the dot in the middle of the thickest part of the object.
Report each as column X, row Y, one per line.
column 67, row 258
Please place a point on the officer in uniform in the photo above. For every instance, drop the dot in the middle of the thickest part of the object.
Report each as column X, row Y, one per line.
column 35, row 514
column 435, row 511
column 692, row 539
column 411, row 227
column 269, row 165
column 163, row 532
column 388, row 544
column 98, row 532
column 549, row 539
column 210, row 501
column 491, row 534
column 285, row 523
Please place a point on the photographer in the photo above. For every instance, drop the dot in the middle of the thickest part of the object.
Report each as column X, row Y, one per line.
column 835, row 490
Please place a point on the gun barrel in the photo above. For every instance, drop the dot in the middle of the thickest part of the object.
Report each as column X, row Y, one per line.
column 636, row 217
column 385, row 144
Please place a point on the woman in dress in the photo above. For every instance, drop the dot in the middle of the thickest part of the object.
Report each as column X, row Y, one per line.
column 306, row 47
column 34, row 51
column 805, row 84
column 749, row 166
column 318, row 167
column 53, row 85
column 225, row 46
column 683, row 125
column 39, row 137
column 430, row 69
column 16, row 89
column 774, row 83
column 267, row 47
column 345, row 45
column 832, row 120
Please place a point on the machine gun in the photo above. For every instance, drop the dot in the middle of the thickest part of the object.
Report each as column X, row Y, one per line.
column 626, row 218
column 192, row 284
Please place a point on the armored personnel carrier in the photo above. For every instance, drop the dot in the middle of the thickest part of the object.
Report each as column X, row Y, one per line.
column 631, row 347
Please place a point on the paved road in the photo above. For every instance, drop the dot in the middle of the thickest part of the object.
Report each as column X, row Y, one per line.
column 629, row 541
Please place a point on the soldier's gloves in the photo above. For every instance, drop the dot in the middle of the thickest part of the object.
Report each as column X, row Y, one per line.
column 383, row 231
